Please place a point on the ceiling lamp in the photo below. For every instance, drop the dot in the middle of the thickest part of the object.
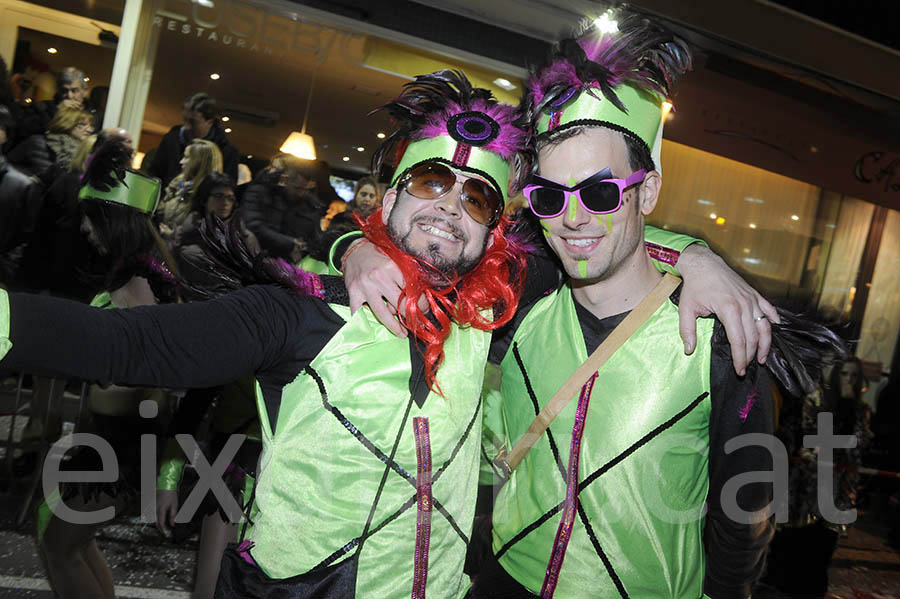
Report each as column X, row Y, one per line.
column 299, row 143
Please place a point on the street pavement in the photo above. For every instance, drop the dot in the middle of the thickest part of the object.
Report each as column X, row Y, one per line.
column 147, row 565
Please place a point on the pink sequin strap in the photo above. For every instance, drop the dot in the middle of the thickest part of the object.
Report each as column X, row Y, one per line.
column 555, row 117
column 424, row 501
column 570, row 507
column 244, row 551
column 462, row 153
column 662, row 254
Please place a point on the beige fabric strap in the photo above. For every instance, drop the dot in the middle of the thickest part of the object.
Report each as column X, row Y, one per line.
column 615, row 340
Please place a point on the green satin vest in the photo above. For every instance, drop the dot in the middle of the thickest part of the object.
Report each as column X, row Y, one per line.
column 318, row 479
column 645, row 511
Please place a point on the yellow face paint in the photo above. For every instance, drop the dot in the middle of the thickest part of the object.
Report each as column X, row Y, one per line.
column 582, row 269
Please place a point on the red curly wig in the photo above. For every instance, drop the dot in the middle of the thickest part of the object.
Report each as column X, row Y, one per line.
column 494, row 287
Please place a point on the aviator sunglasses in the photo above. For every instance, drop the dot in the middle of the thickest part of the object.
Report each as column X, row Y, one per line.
column 597, row 194
column 433, row 180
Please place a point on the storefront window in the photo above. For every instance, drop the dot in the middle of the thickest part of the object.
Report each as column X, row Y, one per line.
column 881, row 322
column 39, row 55
column 259, row 62
column 843, row 261
column 764, row 223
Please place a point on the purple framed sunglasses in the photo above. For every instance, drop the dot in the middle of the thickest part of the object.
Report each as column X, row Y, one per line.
column 598, row 194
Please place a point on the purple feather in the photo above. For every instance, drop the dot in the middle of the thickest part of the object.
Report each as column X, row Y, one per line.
column 297, row 279
column 426, row 104
column 510, row 140
column 641, row 53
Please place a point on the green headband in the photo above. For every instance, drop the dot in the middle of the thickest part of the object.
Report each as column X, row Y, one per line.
column 642, row 120
column 464, row 157
column 136, row 190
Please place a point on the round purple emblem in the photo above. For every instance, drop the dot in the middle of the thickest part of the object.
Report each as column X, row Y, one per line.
column 473, row 128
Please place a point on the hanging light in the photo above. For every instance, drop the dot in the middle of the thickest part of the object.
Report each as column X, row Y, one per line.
column 300, row 143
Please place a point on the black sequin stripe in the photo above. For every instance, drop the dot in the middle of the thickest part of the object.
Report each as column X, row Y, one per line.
column 527, row 530
column 537, row 410
column 408, row 504
column 601, row 554
column 389, row 461
column 581, row 513
column 599, row 123
column 602, row 470
column 459, row 444
column 358, row 433
column 389, row 464
column 334, row 556
column 642, row 441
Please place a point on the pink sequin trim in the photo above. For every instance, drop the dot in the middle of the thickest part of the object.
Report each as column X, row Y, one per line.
column 424, row 503
column 244, row 551
column 461, row 155
column 751, row 400
column 555, row 118
column 570, row 508
column 662, row 254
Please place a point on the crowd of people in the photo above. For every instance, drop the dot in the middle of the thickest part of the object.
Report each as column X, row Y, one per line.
column 357, row 410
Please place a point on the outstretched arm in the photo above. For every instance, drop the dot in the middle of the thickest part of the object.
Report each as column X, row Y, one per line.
column 180, row 345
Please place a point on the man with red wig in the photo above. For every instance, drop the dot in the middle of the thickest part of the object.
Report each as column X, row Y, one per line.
column 368, row 475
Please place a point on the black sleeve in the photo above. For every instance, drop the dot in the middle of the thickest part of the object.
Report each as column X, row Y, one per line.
column 230, row 160
column 255, row 330
column 256, row 205
column 163, row 166
column 542, row 276
column 735, row 551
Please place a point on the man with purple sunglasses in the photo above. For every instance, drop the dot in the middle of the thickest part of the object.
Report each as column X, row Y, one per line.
column 622, row 495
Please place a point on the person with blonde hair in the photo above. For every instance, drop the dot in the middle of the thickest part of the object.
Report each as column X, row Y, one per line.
column 49, row 154
column 201, row 157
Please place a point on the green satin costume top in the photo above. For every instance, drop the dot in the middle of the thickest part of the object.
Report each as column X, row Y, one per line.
column 646, row 509
column 318, row 479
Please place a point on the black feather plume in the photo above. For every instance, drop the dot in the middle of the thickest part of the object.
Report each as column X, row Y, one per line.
column 105, row 168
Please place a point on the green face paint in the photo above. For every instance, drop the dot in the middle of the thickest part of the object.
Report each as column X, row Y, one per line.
column 605, row 220
column 573, row 201
column 582, row 269
column 573, row 206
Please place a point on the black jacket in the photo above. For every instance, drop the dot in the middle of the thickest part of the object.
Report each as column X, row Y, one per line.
column 166, row 162
column 34, row 157
column 277, row 220
column 20, row 202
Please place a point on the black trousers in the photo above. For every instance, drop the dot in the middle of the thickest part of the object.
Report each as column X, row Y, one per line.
column 239, row 579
